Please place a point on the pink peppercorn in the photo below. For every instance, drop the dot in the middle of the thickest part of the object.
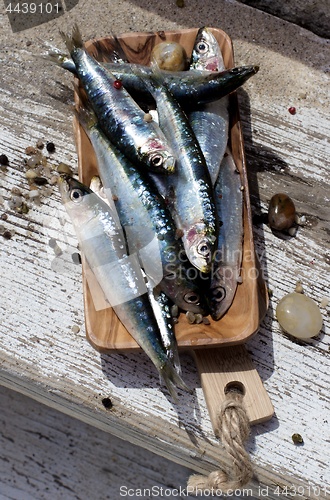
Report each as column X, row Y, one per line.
column 117, row 84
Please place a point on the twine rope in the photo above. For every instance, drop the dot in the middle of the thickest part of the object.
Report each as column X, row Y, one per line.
column 234, row 429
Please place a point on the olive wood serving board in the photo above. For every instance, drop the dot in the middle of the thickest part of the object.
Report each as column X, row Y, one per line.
column 104, row 330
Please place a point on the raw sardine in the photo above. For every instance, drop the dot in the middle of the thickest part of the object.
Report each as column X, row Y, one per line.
column 189, row 87
column 188, row 191
column 228, row 255
column 210, row 122
column 119, row 275
column 119, row 115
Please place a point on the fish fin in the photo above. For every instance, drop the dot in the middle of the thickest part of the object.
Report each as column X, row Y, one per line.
column 154, row 66
column 173, row 355
column 145, row 76
column 172, row 379
column 157, row 75
column 74, row 41
column 176, row 360
column 155, row 81
column 171, row 388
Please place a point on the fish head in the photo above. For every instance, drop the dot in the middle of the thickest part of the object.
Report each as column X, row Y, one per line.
column 191, row 300
column 206, row 54
column 72, row 190
column 183, row 291
column 222, row 290
column 242, row 73
column 77, row 198
column 199, row 248
column 158, row 157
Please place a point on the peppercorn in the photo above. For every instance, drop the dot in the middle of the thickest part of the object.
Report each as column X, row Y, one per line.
column 50, row 146
column 40, row 181
column 117, row 84
column 4, row 160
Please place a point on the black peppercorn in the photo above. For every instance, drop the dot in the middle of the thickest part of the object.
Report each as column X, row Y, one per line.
column 4, row 160
column 50, row 146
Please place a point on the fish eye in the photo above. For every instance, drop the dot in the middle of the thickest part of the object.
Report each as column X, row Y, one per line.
column 191, row 297
column 202, row 47
column 203, row 249
column 219, row 293
column 76, row 195
column 156, row 160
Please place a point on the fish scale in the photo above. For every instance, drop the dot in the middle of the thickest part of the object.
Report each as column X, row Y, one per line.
column 117, row 273
column 188, row 191
column 189, row 87
column 119, row 115
column 146, row 219
column 210, row 122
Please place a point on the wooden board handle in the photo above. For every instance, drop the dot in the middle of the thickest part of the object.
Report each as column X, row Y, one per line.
column 227, row 368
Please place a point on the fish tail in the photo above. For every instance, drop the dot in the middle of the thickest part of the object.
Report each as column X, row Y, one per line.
column 58, row 57
column 157, row 76
column 170, row 387
column 149, row 79
column 173, row 356
column 176, row 361
column 172, row 379
column 155, row 82
column 74, row 41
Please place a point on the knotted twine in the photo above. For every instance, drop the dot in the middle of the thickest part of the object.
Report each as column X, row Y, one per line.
column 234, row 429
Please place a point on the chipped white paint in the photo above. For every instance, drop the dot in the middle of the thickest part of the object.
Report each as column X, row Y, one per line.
column 46, row 454
column 41, row 298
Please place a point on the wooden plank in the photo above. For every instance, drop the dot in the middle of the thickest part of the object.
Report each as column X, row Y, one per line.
column 46, row 454
column 230, row 368
column 41, row 298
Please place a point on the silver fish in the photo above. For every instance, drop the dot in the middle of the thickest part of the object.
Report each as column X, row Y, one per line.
column 206, row 54
column 210, row 122
column 119, row 115
column 160, row 302
column 161, row 305
column 146, row 220
column 119, row 276
column 188, row 191
column 228, row 255
column 189, row 87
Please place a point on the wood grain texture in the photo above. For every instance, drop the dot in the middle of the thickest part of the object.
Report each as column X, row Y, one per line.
column 46, row 454
column 40, row 300
column 230, row 368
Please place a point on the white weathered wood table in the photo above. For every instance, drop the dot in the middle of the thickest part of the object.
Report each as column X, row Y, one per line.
column 44, row 357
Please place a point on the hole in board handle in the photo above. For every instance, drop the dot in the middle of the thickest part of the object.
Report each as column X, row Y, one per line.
column 235, row 386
